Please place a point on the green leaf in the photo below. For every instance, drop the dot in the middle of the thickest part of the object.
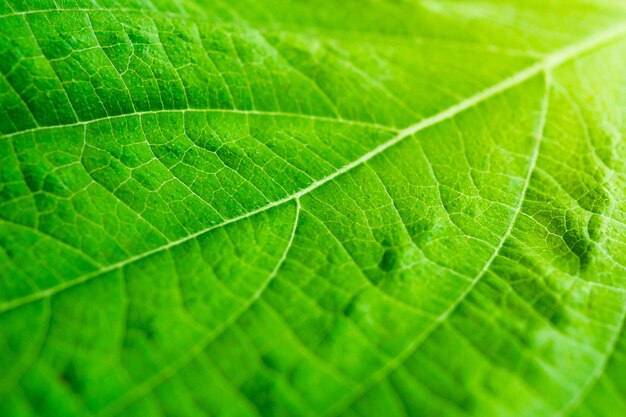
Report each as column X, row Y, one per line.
column 378, row 208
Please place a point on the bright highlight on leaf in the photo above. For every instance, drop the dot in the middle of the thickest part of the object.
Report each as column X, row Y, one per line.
column 312, row 208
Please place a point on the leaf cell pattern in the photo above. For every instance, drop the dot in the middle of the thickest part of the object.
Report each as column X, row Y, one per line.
column 310, row 208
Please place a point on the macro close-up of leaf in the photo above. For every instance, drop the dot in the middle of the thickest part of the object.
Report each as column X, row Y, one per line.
column 312, row 208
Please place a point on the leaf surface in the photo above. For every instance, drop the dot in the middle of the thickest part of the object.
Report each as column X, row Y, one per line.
column 312, row 208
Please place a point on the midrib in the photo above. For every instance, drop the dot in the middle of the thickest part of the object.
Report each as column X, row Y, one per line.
column 552, row 61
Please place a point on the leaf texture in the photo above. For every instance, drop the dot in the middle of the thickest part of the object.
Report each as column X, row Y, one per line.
column 312, row 208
